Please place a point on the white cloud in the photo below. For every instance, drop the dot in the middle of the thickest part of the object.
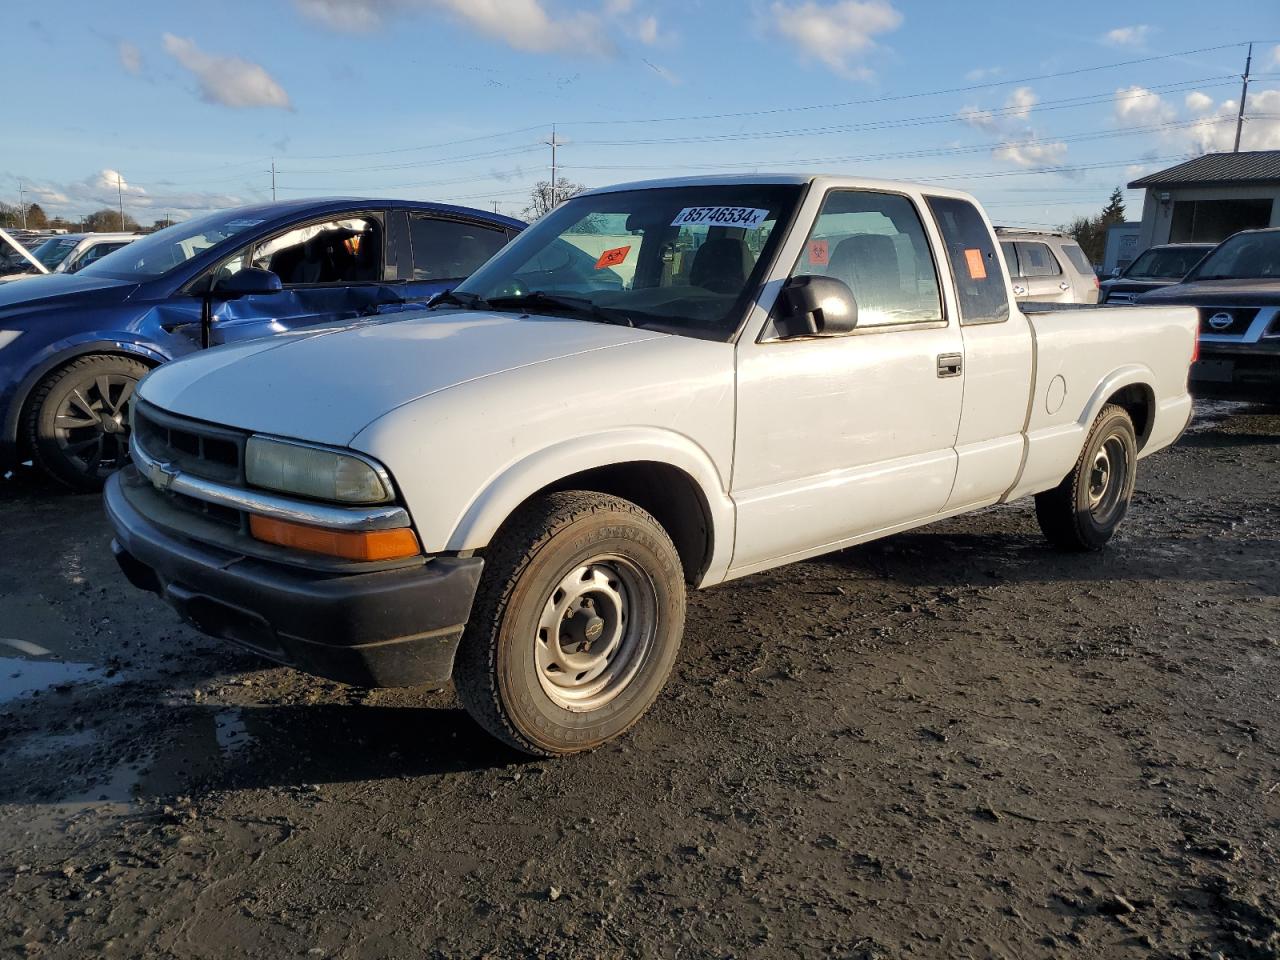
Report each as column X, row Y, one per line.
column 1198, row 102
column 981, row 73
column 98, row 191
column 130, row 57
column 1275, row 57
column 1020, row 103
column 979, row 119
column 1031, row 152
column 229, row 81
column 1211, row 127
column 647, row 30
column 520, row 24
column 836, row 33
column 1138, row 107
column 1134, row 36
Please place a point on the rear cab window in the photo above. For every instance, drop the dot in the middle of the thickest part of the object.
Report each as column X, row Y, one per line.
column 971, row 251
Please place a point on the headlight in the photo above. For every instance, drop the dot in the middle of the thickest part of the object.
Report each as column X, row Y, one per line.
column 314, row 472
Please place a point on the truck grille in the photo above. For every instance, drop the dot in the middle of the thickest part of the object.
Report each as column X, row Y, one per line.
column 1226, row 321
column 196, row 448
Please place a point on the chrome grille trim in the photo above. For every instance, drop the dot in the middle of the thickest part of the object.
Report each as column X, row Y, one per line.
column 166, row 476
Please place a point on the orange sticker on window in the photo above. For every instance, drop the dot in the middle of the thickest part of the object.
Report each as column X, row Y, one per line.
column 611, row 258
column 819, row 253
column 977, row 265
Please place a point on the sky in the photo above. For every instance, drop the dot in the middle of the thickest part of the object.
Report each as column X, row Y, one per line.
column 1039, row 110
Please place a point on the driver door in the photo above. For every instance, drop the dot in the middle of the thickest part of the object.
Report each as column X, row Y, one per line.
column 839, row 437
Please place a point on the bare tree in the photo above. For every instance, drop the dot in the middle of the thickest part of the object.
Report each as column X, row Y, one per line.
column 541, row 199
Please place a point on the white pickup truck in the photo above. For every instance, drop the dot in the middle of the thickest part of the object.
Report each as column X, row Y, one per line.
column 657, row 386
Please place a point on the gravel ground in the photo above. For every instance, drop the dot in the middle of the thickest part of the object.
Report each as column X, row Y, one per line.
column 950, row 743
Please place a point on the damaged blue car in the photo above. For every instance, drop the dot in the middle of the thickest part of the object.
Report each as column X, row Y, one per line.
column 73, row 347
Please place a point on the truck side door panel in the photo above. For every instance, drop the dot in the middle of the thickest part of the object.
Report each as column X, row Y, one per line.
column 839, row 437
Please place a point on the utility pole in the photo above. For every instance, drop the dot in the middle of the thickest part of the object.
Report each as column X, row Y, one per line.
column 553, row 142
column 22, row 202
column 1244, row 94
column 120, row 199
column 495, row 206
column 273, row 179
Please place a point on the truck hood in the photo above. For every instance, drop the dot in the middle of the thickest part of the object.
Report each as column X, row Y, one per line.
column 60, row 290
column 1218, row 293
column 326, row 385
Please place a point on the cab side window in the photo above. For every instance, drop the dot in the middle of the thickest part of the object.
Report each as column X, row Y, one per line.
column 450, row 249
column 979, row 278
column 1037, row 260
column 876, row 244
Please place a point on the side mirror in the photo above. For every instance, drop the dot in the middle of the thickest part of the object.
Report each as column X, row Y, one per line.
column 246, row 283
column 814, row 305
column 1115, row 271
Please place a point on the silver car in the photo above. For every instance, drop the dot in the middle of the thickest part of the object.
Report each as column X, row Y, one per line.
column 1047, row 267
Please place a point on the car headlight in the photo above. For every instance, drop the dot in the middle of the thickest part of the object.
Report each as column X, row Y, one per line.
column 314, row 472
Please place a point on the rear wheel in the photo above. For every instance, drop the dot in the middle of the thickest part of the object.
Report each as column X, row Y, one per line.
column 576, row 624
column 1083, row 511
column 77, row 422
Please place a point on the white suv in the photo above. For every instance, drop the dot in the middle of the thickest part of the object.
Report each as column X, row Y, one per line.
column 1047, row 267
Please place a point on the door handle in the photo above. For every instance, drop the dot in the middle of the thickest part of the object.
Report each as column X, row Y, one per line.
column 1019, row 290
column 1064, row 286
column 950, row 364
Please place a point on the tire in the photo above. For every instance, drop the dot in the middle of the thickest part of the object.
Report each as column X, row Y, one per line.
column 77, row 421
column 525, row 669
column 1082, row 512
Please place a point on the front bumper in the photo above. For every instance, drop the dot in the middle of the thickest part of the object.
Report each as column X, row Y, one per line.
column 388, row 628
column 1244, row 371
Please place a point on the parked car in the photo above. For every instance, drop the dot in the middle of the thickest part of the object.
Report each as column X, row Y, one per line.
column 75, row 251
column 1155, row 267
column 16, row 259
column 72, row 348
column 755, row 371
column 1047, row 267
column 1236, row 289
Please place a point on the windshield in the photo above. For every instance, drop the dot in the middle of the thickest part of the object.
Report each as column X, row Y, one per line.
column 171, row 247
column 683, row 260
column 54, row 250
column 1168, row 264
column 1246, row 256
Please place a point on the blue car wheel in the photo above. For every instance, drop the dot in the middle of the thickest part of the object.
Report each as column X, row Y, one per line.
column 77, row 421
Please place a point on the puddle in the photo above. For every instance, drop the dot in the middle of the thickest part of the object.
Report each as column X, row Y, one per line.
column 22, row 676
column 230, row 731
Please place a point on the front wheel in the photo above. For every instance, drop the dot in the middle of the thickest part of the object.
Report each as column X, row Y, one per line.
column 77, row 422
column 576, row 624
column 1083, row 511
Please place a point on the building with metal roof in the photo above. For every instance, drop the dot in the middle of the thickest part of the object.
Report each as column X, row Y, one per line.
column 1210, row 197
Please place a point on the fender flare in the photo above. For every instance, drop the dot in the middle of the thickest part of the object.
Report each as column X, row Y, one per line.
column 146, row 352
column 518, row 481
column 1133, row 374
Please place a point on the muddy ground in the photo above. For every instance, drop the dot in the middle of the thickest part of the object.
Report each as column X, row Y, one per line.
column 951, row 743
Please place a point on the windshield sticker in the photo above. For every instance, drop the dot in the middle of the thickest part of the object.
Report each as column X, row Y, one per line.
column 977, row 268
column 613, row 257
column 747, row 217
column 238, row 225
column 819, row 253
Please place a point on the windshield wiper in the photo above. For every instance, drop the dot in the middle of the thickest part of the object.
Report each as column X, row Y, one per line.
column 468, row 301
column 579, row 306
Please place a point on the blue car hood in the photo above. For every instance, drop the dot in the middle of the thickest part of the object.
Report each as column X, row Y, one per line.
column 61, row 289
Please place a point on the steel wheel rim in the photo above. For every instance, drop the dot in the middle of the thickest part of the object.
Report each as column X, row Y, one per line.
column 91, row 425
column 1108, row 478
column 595, row 633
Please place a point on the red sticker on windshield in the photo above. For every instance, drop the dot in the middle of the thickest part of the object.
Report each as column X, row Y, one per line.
column 611, row 258
column 977, row 267
column 819, row 253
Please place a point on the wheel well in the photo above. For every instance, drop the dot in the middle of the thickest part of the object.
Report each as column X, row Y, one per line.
column 34, row 385
column 1139, row 402
column 668, row 493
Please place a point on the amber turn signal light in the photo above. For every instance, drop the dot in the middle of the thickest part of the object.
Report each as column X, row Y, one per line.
column 347, row 544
